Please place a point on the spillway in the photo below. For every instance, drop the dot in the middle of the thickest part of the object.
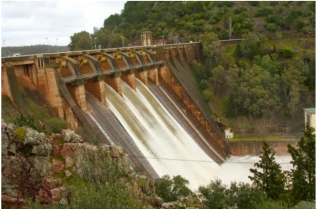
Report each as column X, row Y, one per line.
column 166, row 145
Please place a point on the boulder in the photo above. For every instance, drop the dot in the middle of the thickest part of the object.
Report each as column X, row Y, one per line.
column 57, row 166
column 43, row 149
column 56, row 150
column 32, row 137
column 68, row 173
column 158, row 202
column 71, row 136
column 68, row 149
column 168, row 205
column 58, row 193
column 49, row 183
column 69, row 161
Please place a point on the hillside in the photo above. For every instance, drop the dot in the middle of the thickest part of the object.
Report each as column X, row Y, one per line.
column 190, row 19
column 257, row 85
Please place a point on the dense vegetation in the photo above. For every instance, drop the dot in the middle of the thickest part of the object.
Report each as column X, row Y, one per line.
column 191, row 19
column 264, row 81
column 271, row 188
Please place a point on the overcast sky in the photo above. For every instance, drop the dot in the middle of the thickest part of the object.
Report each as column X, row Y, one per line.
column 31, row 22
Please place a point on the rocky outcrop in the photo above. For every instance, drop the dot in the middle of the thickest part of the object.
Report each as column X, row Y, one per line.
column 35, row 167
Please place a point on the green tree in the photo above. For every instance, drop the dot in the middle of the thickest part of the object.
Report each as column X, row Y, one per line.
column 199, row 71
column 80, row 41
column 250, row 45
column 219, row 79
column 207, row 95
column 303, row 172
column 238, row 195
column 211, row 49
column 172, row 189
column 203, row 84
column 269, row 176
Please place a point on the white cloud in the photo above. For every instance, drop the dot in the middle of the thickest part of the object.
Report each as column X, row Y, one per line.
column 31, row 22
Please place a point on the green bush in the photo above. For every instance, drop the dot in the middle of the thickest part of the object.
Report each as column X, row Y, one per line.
column 55, row 125
column 272, row 27
column 263, row 12
column 172, row 189
column 253, row 3
column 287, row 53
column 207, row 95
column 26, row 120
column 20, row 132
column 203, row 84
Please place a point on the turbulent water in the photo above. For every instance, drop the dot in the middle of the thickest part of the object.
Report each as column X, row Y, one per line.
column 166, row 145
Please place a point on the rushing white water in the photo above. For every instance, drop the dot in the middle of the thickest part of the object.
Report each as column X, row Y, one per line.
column 238, row 168
column 166, row 145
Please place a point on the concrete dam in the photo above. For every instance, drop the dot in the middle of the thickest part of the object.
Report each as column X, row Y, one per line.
column 144, row 99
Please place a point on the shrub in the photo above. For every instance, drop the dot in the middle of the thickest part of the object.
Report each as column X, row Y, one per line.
column 207, row 95
column 272, row 27
column 263, row 12
column 55, row 125
column 26, row 120
column 203, row 84
column 172, row 189
column 287, row 53
column 20, row 132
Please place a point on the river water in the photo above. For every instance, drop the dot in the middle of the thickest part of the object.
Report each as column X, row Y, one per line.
column 166, row 145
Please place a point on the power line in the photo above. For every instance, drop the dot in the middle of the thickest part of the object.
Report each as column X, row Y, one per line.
column 201, row 161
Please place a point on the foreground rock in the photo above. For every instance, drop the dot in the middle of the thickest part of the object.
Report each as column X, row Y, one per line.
column 35, row 167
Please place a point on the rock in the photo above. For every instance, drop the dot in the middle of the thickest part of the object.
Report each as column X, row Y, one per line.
column 49, row 183
column 58, row 193
column 68, row 149
column 44, row 196
column 187, row 199
column 69, row 161
column 66, row 134
column 75, row 138
column 40, row 164
column 158, row 202
column 42, row 149
column 63, row 201
column 68, row 173
column 32, row 137
column 14, row 169
column 58, row 166
column 71, row 136
column 56, row 150
column 168, row 205
column 10, row 199
column 57, row 136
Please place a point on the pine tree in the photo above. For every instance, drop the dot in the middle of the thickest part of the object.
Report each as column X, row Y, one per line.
column 303, row 172
column 269, row 176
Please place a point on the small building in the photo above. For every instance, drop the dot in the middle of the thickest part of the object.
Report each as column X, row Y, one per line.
column 229, row 134
column 309, row 115
column 146, row 38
